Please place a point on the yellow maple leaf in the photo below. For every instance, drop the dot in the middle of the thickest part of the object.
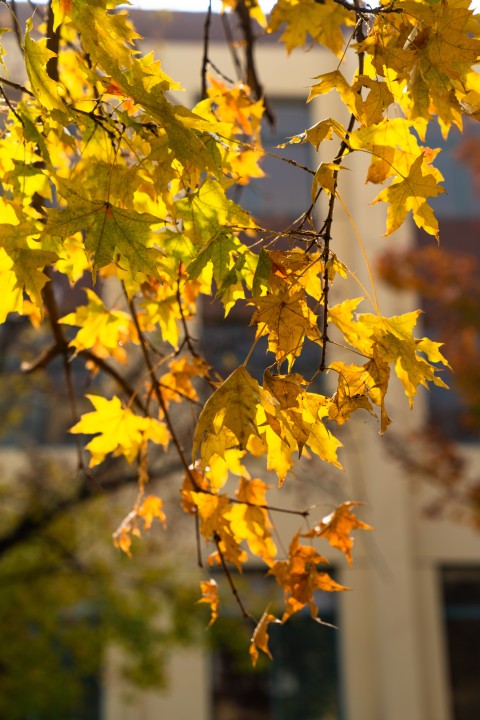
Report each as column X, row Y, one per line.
column 410, row 194
column 325, row 177
column 379, row 97
column 118, row 430
column 159, row 309
column 286, row 319
column 280, row 447
column 323, row 22
column 445, row 50
column 250, row 522
column 72, row 260
column 293, row 420
column 358, row 386
column 235, row 105
column 106, row 331
column 321, row 131
column 389, row 340
column 352, row 392
column 394, row 149
column 216, row 524
column 319, row 439
column 228, row 418
column 296, row 269
column 335, row 81
column 37, row 55
column 343, row 316
column 176, row 385
column 151, row 509
column 11, row 297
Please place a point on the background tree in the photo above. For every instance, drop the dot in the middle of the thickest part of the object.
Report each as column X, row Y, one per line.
column 445, row 278
column 107, row 182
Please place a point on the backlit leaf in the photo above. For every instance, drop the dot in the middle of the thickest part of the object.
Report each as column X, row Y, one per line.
column 410, row 194
column 260, row 637
column 118, row 430
column 299, row 578
column 337, row 526
column 37, row 56
column 209, row 590
column 231, row 408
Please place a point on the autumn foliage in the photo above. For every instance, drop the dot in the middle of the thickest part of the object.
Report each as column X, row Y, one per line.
column 108, row 183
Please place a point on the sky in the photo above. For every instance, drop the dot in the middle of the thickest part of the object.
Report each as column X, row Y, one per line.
column 190, row 5
column 186, row 5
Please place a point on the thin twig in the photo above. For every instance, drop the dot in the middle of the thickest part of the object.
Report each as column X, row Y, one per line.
column 327, row 225
column 198, row 541
column 16, row 25
column 33, row 523
column 186, row 334
column 63, row 349
column 159, row 396
column 16, row 86
column 228, row 575
column 115, row 375
column 220, row 73
column 231, row 44
column 367, row 10
column 251, row 78
column 10, row 106
column 206, row 40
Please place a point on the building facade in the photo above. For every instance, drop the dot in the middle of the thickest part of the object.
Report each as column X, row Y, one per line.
column 415, row 582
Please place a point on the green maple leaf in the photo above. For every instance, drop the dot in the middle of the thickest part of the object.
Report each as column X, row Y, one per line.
column 108, row 40
column 217, row 251
column 112, row 234
column 207, row 211
column 233, row 409
column 29, row 258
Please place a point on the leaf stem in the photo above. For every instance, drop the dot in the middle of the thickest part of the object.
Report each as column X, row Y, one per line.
column 159, row 396
column 228, row 575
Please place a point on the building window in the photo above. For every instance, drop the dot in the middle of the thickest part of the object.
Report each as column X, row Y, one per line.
column 275, row 205
column 278, row 201
column 461, row 596
column 302, row 680
column 455, row 314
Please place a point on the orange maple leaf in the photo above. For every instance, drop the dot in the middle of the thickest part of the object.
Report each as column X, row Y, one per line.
column 260, row 637
column 299, row 578
column 337, row 526
column 210, row 596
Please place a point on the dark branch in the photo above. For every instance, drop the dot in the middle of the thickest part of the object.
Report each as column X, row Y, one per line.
column 206, row 40
column 250, row 67
column 38, row 520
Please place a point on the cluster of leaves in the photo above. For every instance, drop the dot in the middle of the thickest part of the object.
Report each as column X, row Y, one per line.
column 446, row 280
column 104, row 179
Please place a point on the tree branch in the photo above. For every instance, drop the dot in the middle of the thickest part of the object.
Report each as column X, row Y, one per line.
column 206, row 40
column 39, row 519
column 250, row 67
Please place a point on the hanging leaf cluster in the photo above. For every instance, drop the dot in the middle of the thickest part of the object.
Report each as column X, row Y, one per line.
column 111, row 185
